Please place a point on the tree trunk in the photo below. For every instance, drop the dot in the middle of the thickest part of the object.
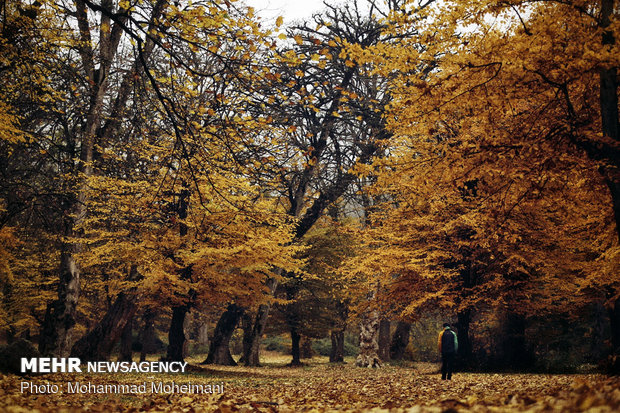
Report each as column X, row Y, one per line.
column 219, row 350
column 56, row 332
column 203, row 334
column 252, row 357
column 99, row 342
column 306, row 348
column 55, row 338
column 614, row 316
column 611, row 127
column 400, row 340
column 465, row 352
column 609, row 79
column 515, row 354
column 597, row 340
column 176, row 334
column 126, row 342
column 295, row 338
column 369, row 347
column 337, row 352
column 291, row 314
column 246, row 326
column 384, row 339
column 147, row 334
column 614, row 319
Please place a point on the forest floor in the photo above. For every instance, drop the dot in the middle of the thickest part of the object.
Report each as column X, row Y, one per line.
column 319, row 386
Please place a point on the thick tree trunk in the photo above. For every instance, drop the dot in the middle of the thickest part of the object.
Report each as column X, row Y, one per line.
column 465, row 352
column 337, row 352
column 246, row 326
column 597, row 339
column 400, row 340
column 99, row 342
column 369, row 346
column 176, row 334
column 305, row 348
column 251, row 356
column 613, row 183
column 614, row 316
column 126, row 350
column 611, row 127
column 295, row 339
column 219, row 350
column 609, row 79
column 293, row 321
column 146, row 336
column 614, row 319
column 384, row 339
column 56, row 333
column 515, row 353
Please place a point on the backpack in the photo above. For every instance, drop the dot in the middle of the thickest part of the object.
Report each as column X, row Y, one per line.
column 447, row 342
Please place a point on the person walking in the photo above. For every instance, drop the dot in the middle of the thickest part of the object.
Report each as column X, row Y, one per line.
column 448, row 346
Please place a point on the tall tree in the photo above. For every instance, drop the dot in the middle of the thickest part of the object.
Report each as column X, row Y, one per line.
column 330, row 108
column 151, row 172
column 493, row 191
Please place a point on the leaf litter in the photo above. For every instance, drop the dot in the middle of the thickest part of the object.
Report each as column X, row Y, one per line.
column 323, row 387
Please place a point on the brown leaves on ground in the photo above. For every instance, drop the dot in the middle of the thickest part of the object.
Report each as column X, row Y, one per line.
column 321, row 387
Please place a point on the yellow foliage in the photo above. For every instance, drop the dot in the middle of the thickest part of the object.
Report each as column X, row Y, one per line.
column 487, row 196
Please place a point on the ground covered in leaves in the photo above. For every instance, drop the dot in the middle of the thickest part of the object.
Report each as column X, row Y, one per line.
column 320, row 386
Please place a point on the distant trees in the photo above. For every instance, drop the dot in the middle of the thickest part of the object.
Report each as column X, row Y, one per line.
column 328, row 109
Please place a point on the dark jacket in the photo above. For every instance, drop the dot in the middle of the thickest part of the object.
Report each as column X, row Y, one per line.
column 448, row 343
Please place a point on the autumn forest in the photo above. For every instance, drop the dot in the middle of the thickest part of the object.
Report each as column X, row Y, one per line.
column 284, row 203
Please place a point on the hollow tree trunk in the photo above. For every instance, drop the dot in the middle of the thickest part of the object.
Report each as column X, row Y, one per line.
column 384, row 339
column 337, row 353
column 126, row 342
column 219, row 350
column 400, row 340
column 369, row 346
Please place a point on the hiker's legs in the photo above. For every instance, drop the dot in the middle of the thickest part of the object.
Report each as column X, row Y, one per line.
column 449, row 362
column 444, row 366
